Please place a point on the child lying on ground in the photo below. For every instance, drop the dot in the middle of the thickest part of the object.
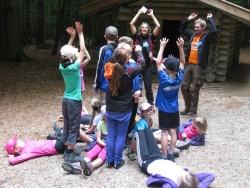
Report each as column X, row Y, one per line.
column 165, row 173
column 20, row 151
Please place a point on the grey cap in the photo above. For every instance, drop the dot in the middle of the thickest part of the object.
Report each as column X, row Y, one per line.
column 111, row 30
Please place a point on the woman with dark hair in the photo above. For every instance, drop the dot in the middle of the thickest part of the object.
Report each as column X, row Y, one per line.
column 144, row 37
column 119, row 103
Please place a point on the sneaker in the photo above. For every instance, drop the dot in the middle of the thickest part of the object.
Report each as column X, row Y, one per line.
column 72, row 157
column 176, row 152
column 191, row 113
column 72, row 168
column 171, row 157
column 182, row 144
column 117, row 166
column 109, row 165
column 58, row 130
column 131, row 155
column 86, row 167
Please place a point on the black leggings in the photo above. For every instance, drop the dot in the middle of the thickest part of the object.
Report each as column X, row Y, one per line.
column 147, row 149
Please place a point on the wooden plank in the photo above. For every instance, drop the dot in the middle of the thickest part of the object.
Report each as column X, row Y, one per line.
column 97, row 5
column 239, row 13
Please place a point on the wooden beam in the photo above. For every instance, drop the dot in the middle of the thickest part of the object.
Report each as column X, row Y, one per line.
column 95, row 6
column 237, row 12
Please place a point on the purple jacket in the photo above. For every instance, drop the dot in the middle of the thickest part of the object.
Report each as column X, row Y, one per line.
column 33, row 149
column 204, row 179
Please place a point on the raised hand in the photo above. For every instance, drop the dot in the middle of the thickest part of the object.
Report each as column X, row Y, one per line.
column 150, row 12
column 163, row 42
column 180, row 42
column 209, row 15
column 138, row 48
column 192, row 16
column 71, row 31
column 79, row 27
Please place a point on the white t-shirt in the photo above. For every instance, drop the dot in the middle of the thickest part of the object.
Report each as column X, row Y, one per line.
column 166, row 169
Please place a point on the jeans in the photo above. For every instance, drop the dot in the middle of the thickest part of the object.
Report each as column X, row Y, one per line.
column 147, row 79
column 115, row 139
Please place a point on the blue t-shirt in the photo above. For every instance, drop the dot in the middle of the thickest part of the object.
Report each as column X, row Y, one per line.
column 141, row 125
column 167, row 95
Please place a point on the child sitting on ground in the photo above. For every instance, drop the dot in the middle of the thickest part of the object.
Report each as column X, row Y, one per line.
column 20, row 151
column 165, row 173
column 96, row 156
column 193, row 131
column 96, row 116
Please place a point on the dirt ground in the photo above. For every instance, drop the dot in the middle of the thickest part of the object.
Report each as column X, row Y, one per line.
column 30, row 101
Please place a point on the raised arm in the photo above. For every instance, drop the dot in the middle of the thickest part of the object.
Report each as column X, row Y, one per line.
column 83, row 50
column 72, row 33
column 163, row 43
column 180, row 44
column 157, row 24
column 132, row 23
column 183, row 27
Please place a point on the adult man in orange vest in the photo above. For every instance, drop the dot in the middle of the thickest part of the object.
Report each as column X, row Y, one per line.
column 196, row 59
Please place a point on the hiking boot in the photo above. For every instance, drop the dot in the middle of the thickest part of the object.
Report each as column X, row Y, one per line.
column 72, row 168
column 191, row 113
column 182, row 144
column 86, row 167
column 109, row 165
column 184, row 112
column 117, row 166
column 171, row 157
column 72, row 157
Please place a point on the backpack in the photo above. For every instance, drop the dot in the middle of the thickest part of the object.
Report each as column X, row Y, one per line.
column 108, row 70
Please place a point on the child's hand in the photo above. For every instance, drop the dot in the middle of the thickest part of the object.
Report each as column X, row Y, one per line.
column 180, row 42
column 163, row 42
column 71, row 31
column 79, row 27
column 138, row 48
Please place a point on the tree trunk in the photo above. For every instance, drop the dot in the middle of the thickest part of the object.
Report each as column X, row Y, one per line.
column 40, row 22
column 59, row 25
column 10, row 35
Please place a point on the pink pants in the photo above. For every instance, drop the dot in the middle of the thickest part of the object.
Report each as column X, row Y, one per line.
column 97, row 152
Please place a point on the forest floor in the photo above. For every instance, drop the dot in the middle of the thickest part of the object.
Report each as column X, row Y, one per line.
column 30, row 101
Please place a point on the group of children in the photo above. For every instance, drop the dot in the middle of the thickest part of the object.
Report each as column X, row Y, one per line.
column 118, row 82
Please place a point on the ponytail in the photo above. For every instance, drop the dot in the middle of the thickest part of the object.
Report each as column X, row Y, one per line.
column 120, row 56
column 115, row 81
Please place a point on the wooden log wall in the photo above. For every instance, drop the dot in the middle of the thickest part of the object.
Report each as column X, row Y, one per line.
column 228, row 47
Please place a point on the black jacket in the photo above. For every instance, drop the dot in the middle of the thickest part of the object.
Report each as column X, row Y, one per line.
column 206, row 40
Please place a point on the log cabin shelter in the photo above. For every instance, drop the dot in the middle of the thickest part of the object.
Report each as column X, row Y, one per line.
column 230, row 20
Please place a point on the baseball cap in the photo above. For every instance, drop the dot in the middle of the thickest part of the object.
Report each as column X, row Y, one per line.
column 111, row 31
column 145, row 106
column 68, row 51
column 171, row 63
column 10, row 145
